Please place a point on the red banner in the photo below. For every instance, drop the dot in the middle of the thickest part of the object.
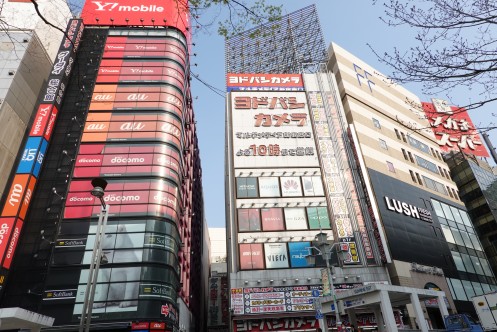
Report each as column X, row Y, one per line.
column 13, row 244
column 454, row 129
column 6, row 228
column 171, row 13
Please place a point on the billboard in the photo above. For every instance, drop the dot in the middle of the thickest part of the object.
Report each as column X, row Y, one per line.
column 251, row 257
column 272, row 129
column 276, row 255
column 298, row 251
column 266, row 82
column 453, row 128
column 272, row 219
column 148, row 13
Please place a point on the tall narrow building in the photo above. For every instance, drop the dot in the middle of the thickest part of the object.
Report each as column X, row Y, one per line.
column 117, row 106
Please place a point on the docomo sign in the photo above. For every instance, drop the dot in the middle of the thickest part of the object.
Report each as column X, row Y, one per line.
column 12, row 244
column 147, row 13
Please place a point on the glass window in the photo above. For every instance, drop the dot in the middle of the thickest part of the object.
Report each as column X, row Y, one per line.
column 486, row 267
column 403, row 137
column 457, row 236
column 397, row 133
column 448, row 234
column 418, row 145
column 413, row 177
column 295, row 218
column 438, row 208
column 269, row 187
column 435, row 185
column 422, row 162
column 450, row 288
column 249, row 220
column 466, row 239
column 456, row 214
column 290, row 186
column 405, row 154
column 477, row 264
column 468, row 263
column 458, row 261
column 447, row 211
column 486, row 288
column 468, row 287
column 465, row 218
column 376, row 123
column 272, row 219
column 383, row 144
column 458, row 290
column 390, row 167
column 474, row 240
column 246, row 187
column 419, row 179
column 410, row 156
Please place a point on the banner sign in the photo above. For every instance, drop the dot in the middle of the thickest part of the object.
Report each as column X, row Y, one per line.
column 264, row 82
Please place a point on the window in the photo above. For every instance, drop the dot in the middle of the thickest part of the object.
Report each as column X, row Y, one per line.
column 376, row 123
column 468, row 263
column 419, row 179
column 413, row 177
column 403, row 137
column 450, row 192
column 448, row 234
column 435, row 185
column 418, row 145
column 458, row 290
column 447, row 175
column 405, row 154
column 422, row 162
column 397, row 133
column 390, row 167
column 458, row 260
column 410, row 157
column 441, row 171
column 383, row 144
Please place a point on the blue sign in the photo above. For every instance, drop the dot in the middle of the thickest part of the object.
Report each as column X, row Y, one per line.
column 315, row 293
column 319, row 314
column 298, row 252
column 39, row 158
column 29, row 155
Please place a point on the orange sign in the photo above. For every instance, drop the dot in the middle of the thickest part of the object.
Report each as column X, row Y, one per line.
column 15, row 195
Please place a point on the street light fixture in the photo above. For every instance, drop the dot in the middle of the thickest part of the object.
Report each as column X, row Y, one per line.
column 325, row 249
column 98, row 191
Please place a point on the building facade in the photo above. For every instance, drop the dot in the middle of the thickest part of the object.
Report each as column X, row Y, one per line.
column 117, row 106
column 28, row 48
column 409, row 186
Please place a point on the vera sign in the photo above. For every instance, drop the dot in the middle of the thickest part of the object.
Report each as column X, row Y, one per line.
column 143, row 13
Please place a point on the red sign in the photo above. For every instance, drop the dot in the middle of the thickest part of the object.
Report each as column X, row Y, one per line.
column 140, row 326
column 164, row 310
column 6, row 225
column 278, row 82
column 454, row 129
column 41, row 119
column 132, row 13
column 157, row 326
column 12, row 244
column 51, row 122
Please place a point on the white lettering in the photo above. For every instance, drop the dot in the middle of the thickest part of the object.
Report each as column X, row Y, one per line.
column 123, row 160
column 16, row 194
column 81, row 199
column 12, row 242
column 137, row 96
column 3, row 230
column 117, row 198
column 96, row 126
column 132, row 126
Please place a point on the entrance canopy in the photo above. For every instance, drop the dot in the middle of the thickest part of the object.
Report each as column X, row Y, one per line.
column 18, row 318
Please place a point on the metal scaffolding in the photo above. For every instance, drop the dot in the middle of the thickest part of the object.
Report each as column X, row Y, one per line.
column 278, row 47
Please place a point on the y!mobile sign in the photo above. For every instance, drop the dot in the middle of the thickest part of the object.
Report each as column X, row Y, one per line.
column 137, row 13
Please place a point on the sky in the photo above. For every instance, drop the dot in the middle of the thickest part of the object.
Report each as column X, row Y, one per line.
column 351, row 24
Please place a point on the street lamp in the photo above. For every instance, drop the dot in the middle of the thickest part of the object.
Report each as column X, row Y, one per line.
column 98, row 191
column 324, row 249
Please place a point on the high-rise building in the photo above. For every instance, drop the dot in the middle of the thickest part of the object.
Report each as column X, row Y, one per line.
column 117, row 106
column 28, row 48
column 330, row 146
column 218, row 312
column 409, row 187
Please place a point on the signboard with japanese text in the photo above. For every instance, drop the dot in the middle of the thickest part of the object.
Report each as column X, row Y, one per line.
column 264, row 82
column 272, row 129
column 453, row 128
column 131, row 13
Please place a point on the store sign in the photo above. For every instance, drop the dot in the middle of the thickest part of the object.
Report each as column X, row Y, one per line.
column 453, row 128
column 298, row 252
column 276, row 255
column 59, row 294
column 131, row 13
column 426, row 269
column 266, row 82
column 408, row 209
column 272, row 129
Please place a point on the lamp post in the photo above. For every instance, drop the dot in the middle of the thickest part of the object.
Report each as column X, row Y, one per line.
column 98, row 191
column 325, row 249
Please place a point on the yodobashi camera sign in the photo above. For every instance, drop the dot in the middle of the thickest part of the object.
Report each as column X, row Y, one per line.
column 137, row 13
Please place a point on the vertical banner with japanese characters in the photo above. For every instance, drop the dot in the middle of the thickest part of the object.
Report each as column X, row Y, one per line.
column 333, row 178
column 453, row 128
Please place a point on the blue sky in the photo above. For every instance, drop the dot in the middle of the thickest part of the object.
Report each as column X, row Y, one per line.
column 352, row 24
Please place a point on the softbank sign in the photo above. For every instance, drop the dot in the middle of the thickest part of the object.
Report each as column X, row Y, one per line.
column 137, row 13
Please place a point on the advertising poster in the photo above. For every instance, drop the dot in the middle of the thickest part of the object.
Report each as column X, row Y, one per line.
column 251, row 257
column 276, row 255
column 246, row 187
column 313, row 186
column 249, row 220
column 298, row 252
column 295, row 218
column 272, row 129
column 269, row 187
column 272, row 219
column 453, row 128
column 318, row 218
column 290, row 186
